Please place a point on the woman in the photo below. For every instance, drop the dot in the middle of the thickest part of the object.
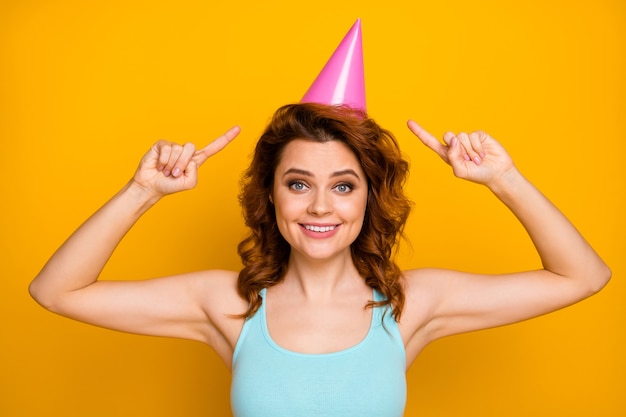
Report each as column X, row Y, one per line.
column 320, row 321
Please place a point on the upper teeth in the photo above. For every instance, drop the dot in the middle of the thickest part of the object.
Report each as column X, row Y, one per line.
column 319, row 228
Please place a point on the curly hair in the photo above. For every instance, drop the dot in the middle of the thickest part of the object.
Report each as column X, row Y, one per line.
column 265, row 253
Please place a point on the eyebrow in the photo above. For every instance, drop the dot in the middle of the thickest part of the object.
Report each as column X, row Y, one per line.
column 310, row 174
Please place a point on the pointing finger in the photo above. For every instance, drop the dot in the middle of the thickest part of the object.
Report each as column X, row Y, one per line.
column 215, row 146
column 428, row 140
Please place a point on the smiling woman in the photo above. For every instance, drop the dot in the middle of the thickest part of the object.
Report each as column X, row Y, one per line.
column 324, row 149
column 320, row 303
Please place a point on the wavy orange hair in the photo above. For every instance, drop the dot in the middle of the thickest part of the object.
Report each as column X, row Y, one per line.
column 265, row 253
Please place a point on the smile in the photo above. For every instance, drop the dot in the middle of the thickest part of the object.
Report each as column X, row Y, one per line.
column 319, row 229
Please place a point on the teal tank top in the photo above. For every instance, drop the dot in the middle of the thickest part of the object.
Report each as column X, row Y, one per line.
column 367, row 379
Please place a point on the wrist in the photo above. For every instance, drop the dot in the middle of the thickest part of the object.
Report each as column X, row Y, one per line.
column 507, row 183
column 143, row 196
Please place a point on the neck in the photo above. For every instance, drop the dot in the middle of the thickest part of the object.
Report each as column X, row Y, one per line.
column 319, row 279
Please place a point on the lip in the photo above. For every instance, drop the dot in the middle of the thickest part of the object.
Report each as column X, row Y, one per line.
column 320, row 235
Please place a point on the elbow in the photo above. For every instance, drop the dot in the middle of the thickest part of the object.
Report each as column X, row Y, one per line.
column 600, row 277
column 42, row 297
column 36, row 294
column 606, row 276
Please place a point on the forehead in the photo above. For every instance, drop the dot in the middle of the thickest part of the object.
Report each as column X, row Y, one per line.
column 318, row 157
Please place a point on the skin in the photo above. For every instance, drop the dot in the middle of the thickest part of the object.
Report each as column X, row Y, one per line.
column 319, row 185
column 319, row 306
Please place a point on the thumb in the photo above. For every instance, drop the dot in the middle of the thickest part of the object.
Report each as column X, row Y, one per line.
column 216, row 145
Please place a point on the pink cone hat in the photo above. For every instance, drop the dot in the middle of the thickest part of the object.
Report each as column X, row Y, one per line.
column 342, row 79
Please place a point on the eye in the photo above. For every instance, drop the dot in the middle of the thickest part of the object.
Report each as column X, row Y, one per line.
column 297, row 186
column 344, row 188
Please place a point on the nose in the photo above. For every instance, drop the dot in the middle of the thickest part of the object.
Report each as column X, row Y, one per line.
column 321, row 204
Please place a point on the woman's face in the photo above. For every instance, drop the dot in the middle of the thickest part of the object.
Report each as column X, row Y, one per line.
column 320, row 196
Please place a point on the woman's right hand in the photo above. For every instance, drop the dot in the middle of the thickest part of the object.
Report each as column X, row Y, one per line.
column 169, row 167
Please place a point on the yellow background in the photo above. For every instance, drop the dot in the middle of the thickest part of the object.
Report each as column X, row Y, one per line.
column 87, row 87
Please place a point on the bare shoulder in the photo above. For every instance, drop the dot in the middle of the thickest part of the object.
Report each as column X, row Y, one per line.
column 217, row 294
column 420, row 285
column 422, row 289
column 418, row 291
column 429, row 285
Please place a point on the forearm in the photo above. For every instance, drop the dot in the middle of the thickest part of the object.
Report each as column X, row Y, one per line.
column 80, row 260
column 562, row 249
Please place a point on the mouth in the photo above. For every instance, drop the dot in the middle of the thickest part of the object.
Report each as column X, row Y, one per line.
column 319, row 229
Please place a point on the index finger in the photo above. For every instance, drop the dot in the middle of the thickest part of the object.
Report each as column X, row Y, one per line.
column 428, row 139
column 216, row 145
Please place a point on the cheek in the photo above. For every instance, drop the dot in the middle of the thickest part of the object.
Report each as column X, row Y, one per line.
column 288, row 211
column 280, row 221
column 353, row 209
column 286, row 205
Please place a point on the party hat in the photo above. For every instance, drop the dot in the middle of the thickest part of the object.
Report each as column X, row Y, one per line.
column 342, row 79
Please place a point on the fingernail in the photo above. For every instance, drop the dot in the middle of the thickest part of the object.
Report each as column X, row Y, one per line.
column 176, row 172
column 482, row 154
column 166, row 173
column 466, row 157
column 477, row 160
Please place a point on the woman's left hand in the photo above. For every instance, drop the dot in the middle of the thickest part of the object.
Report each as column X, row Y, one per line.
column 476, row 156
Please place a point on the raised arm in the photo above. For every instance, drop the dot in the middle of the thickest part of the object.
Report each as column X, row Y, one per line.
column 461, row 302
column 68, row 283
